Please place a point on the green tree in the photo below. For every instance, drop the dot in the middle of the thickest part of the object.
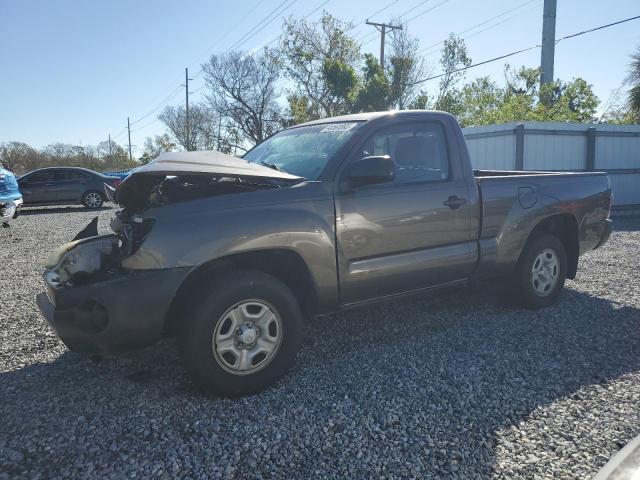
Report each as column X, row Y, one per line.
column 634, row 92
column 300, row 110
column 153, row 147
column 321, row 59
column 374, row 95
column 404, row 67
column 483, row 102
column 454, row 58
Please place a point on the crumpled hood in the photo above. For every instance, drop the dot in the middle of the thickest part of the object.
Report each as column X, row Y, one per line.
column 8, row 186
column 214, row 164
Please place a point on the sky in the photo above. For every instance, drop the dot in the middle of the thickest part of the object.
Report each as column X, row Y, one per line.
column 73, row 70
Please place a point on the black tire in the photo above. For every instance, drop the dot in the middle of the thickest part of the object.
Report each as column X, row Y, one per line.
column 523, row 279
column 92, row 199
column 196, row 334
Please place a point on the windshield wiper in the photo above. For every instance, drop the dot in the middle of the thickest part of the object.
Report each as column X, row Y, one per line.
column 273, row 166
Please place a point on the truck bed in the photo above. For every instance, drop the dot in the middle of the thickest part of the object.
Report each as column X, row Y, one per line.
column 513, row 202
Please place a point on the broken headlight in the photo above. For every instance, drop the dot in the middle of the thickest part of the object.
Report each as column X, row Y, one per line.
column 79, row 259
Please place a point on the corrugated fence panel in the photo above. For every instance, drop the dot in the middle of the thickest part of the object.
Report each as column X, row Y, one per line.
column 626, row 188
column 617, row 152
column 563, row 146
column 493, row 153
column 554, row 152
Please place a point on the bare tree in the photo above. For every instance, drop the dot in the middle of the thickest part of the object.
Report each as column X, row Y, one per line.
column 20, row 157
column 175, row 119
column 242, row 90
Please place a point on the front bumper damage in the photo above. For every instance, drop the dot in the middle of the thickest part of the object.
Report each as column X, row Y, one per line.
column 101, row 302
column 118, row 313
column 97, row 307
column 9, row 210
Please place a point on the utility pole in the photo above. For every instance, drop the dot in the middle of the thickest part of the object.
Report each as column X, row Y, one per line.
column 548, row 41
column 109, row 148
column 382, row 28
column 129, row 130
column 186, row 94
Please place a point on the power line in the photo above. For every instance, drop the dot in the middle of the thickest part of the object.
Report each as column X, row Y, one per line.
column 491, row 27
column 527, row 49
column 270, row 17
column 426, row 11
column 403, row 14
column 274, row 16
column 176, row 90
column 477, row 64
column 146, row 125
column 122, row 132
column 506, row 12
column 166, row 100
column 304, row 18
column 389, row 5
column 233, row 28
column 597, row 28
column 414, row 17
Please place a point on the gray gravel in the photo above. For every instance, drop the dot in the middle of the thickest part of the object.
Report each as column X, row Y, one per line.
column 462, row 385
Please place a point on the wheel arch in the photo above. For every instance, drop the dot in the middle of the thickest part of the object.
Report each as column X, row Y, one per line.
column 286, row 265
column 564, row 226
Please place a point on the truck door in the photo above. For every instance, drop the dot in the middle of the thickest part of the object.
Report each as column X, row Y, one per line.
column 412, row 233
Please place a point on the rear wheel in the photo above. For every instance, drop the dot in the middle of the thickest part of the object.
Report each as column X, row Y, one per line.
column 92, row 199
column 241, row 334
column 541, row 271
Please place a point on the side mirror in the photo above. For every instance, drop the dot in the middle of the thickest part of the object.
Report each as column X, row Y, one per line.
column 372, row 170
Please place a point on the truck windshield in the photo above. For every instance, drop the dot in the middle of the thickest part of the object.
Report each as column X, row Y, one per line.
column 303, row 151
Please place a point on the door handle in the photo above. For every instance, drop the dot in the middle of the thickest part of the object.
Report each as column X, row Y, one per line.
column 454, row 202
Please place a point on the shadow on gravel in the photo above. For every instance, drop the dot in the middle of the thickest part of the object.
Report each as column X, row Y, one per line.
column 414, row 387
column 62, row 209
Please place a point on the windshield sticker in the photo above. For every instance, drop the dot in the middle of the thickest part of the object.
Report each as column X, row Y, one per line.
column 338, row 127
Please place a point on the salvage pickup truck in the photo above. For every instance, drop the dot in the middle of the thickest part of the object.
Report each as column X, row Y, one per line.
column 230, row 254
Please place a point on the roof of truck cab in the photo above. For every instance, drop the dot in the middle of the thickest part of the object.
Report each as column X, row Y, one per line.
column 365, row 117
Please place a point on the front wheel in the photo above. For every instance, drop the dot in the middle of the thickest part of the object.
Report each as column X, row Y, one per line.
column 541, row 271
column 241, row 334
column 92, row 199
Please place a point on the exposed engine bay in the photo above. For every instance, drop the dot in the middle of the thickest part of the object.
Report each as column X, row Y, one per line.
column 148, row 191
column 90, row 256
column 171, row 178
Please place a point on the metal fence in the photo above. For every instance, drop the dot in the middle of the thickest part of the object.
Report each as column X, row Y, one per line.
column 559, row 146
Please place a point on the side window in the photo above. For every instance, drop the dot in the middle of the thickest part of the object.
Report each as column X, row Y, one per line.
column 40, row 177
column 418, row 150
column 69, row 175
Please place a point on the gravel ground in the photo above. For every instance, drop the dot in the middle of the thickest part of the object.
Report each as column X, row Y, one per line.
column 461, row 385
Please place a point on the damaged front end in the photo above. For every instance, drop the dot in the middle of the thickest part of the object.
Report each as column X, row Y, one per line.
column 98, row 305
